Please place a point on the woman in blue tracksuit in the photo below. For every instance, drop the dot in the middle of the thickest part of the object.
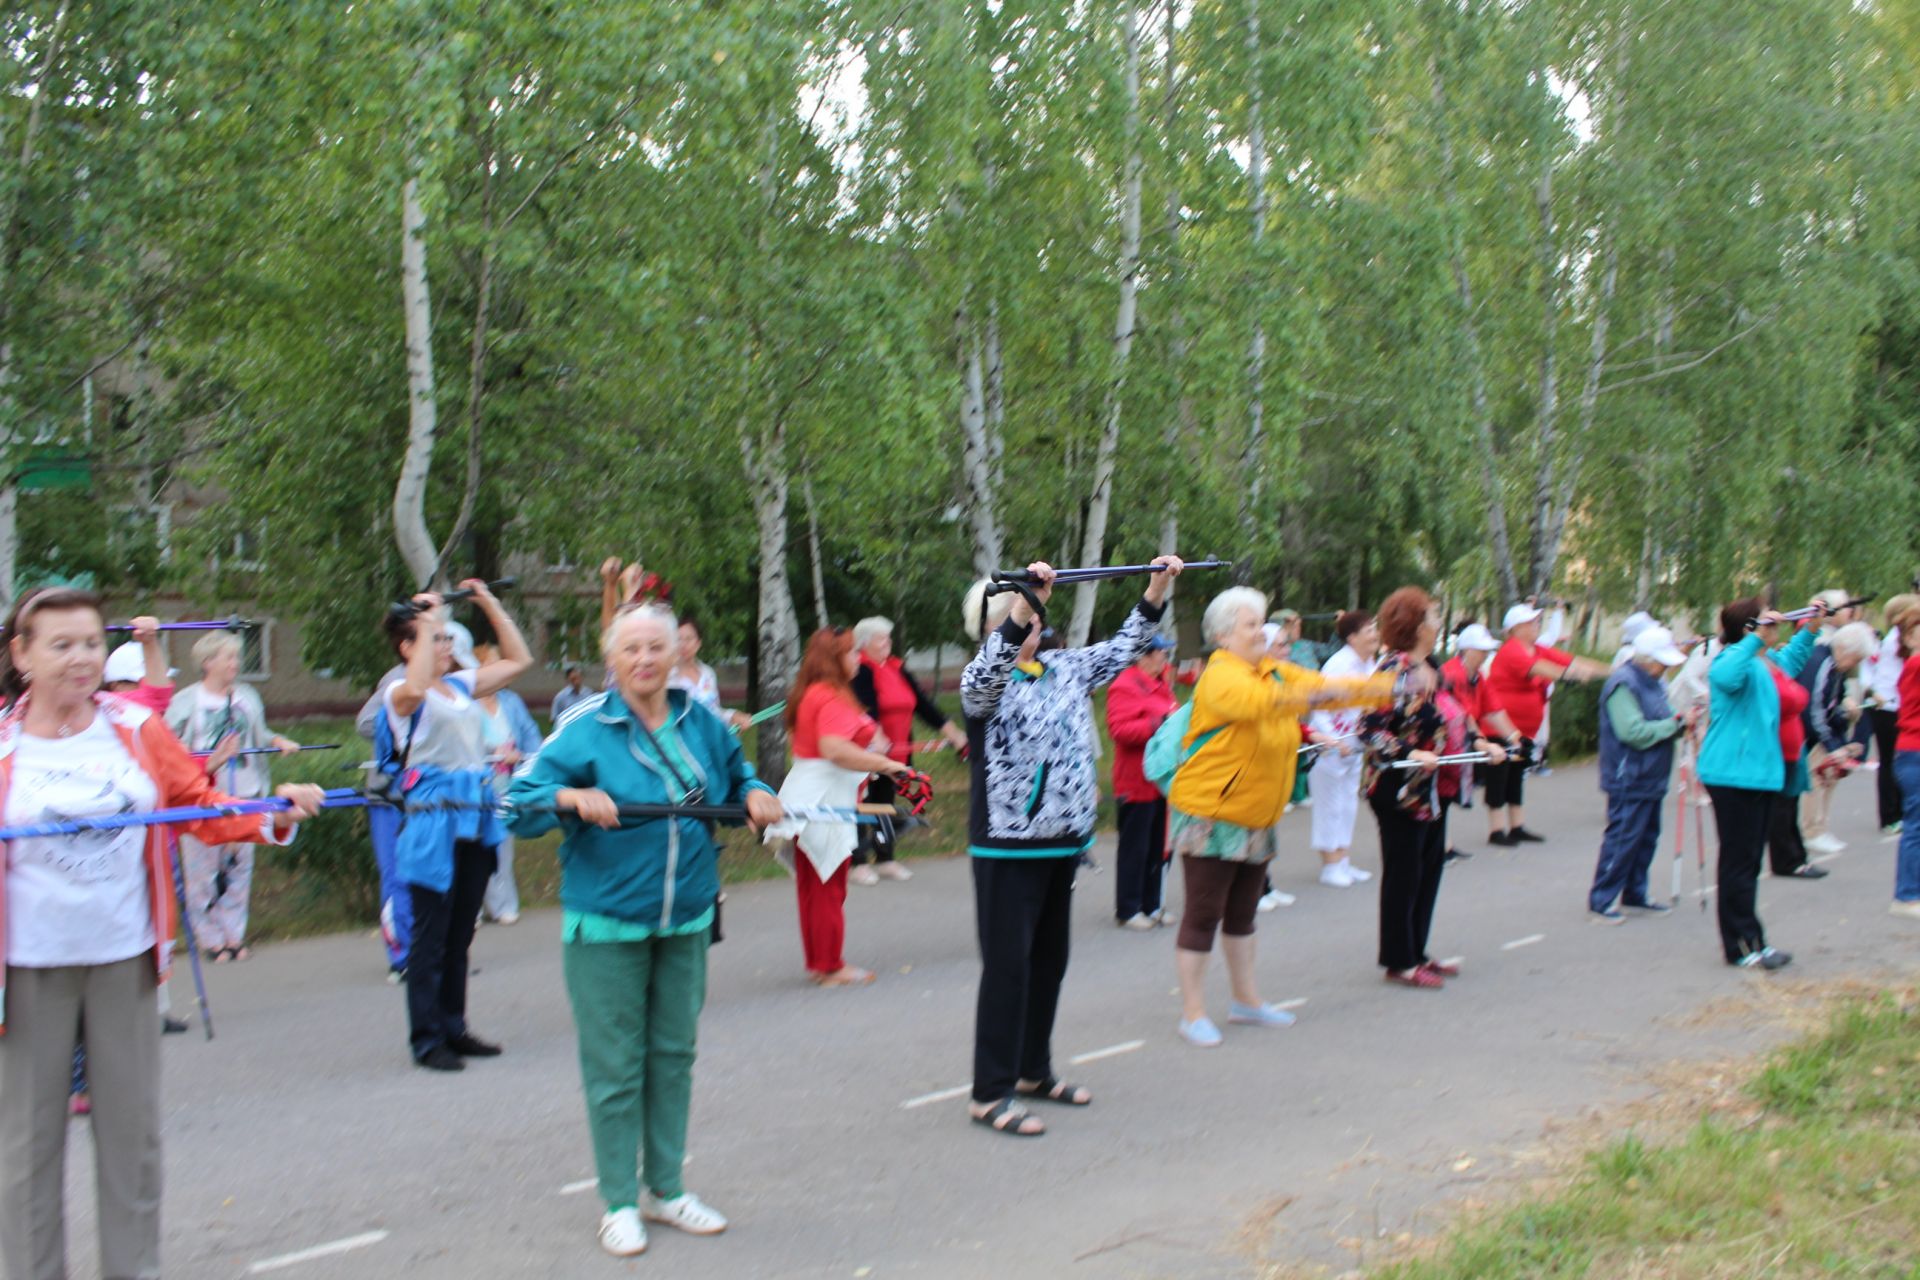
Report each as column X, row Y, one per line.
column 639, row 910
column 1743, row 766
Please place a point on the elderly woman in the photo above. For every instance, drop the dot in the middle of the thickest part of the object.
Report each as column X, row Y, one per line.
column 639, row 909
column 1637, row 732
column 511, row 736
column 1518, row 679
column 1242, row 740
column 1743, row 764
column 1035, row 798
column 891, row 697
column 219, row 712
column 1830, row 735
column 86, row 925
column 1408, row 789
column 1334, row 779
column 1140, row 698
column 432, row 741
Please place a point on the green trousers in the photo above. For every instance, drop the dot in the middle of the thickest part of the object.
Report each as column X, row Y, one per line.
column 636, row 1006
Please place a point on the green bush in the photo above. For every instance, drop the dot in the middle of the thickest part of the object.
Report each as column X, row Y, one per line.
column 1576, row 720
column 326, row 879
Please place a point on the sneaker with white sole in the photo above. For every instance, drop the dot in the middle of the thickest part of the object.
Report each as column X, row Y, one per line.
column 686, row 1211
column 864, row 875
column 622, row 1235
column 1201, row 1033
column 1354, row 873
column 1139, row 922
column 1334, row 876
column 1911, row 910
column 1825, row 843
column 892, row 871
column 1275, row 900
column 1258, row 1015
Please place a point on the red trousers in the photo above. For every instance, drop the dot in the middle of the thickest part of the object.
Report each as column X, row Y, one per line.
column 823, row 913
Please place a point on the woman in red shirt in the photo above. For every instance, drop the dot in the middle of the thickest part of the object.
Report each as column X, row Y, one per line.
column 1517, row 682
column 1786, row 850
column 890, row 695
column 835, row 746
column 1137, row 701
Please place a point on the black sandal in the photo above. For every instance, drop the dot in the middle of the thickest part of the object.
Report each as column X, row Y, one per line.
column 1006, row 1116
column 1053, row 1089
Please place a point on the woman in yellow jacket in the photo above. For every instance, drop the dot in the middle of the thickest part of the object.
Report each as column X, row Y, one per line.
column 1237, row 774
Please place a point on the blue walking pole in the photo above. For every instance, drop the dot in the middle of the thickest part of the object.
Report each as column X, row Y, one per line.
column 193, row 947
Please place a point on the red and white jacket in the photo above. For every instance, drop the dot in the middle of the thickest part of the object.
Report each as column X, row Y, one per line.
column 179, row 779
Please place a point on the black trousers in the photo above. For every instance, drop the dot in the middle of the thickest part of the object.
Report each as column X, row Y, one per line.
column 1412, row 855
column 437, row 957
column 1740, row 818
column 1786, row 850
column 1024, row 909
column 1886, row 729
column 1141, row 858
column 1506, row 784
column 875, row 844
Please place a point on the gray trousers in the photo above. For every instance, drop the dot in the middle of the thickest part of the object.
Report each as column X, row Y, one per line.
column 44, row 1011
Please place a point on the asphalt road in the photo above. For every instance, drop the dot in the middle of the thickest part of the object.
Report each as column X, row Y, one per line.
column 830, row 1126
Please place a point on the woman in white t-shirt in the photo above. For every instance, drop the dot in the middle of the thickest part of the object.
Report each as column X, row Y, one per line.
column 86, row 925
column 695, row 677
column 433, row 741
column 219, row 878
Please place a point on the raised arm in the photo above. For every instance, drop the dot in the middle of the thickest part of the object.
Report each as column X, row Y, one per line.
column 514, row 657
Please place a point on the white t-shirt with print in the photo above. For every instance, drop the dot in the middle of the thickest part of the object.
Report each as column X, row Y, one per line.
column 83, row 898
column 452, row 733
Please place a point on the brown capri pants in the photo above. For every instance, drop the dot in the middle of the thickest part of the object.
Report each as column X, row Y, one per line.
column 1221, row 895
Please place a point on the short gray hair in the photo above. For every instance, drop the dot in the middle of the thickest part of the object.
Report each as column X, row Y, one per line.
column 652, row 611
column 212, row 645
column 867, row 628
column 1856, row 639
column 978, row 607
column 1224, row 610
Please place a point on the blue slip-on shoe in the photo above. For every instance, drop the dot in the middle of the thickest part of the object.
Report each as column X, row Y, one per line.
column 1200, row 1033
column 1259, row 1015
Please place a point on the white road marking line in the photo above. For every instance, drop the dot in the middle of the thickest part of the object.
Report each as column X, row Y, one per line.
column 575, row 1188
column 317, row 1251
column 1294, row 1003
column 1527, row 941
column 1454, row 961
column 942, row 1096
column 1111, row 1051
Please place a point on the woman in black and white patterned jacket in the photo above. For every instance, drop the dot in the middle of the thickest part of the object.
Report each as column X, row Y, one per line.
column 1035, row 795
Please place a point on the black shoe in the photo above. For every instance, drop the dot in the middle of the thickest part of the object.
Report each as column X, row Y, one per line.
column 1765, row 958
column 1502, row 839
column 1456, row 855
column 1807, row 871
column 440, row 1058
column 468, row 1045
column 172, row 1026
column 1520, row 835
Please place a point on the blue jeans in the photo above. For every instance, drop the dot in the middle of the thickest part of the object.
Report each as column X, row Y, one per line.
column 1626, row 851
column 1906, row 876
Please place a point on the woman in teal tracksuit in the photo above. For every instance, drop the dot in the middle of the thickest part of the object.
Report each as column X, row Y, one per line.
column 1743, row 765
column 639, row 900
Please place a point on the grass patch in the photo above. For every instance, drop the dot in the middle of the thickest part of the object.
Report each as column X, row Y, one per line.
column 1821, row 1178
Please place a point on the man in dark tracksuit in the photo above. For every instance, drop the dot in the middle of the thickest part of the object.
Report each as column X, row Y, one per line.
column 1637, row 730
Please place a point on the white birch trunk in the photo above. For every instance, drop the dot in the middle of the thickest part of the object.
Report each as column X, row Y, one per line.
column 1253, row 454
column 779, row 626
column 410, row 494
column 1180, row 427
column 1546, row 419
column 813, row 552
column 1100, row 504
column 977, row 453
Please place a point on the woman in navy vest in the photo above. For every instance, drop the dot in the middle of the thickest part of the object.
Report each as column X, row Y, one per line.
column 1637, row 730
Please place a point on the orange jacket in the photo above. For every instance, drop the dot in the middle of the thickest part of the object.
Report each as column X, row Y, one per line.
column 179, row 779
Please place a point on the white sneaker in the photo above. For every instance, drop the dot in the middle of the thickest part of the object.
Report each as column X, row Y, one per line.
column 511, row 917
column 1335, row 875
column 1354, row 873
column 622, row 1235
column 1275, row 900
column 1141, row 922
column 1825, row 843
column 1162, row 917
column 685, row 1211
column 864, row 875
column 1911, row 910
column 892, row 871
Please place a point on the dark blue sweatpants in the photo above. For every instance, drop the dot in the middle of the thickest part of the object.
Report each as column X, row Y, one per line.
column 1626, row 851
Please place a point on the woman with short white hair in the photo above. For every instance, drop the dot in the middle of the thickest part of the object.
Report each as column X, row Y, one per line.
column 1830, row 735
column 1235, row 777
column 888, row 692
column 219, row 709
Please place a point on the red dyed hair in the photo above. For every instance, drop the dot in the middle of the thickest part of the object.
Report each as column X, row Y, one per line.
column 1400, row 617
column 823, row 663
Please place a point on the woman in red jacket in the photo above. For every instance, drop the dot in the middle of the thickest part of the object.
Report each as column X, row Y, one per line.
column 1137, row 701
column 86, row 925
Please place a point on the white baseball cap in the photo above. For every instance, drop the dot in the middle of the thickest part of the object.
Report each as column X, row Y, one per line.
column 1657, row 643
column 1635, row 624
column 463, row 659
column 127, row 663
column 1475, row 636
column 1518, row 616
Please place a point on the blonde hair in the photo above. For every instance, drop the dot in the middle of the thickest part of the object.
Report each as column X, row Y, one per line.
column 996, row 609
column 1898, row 605
column 651, row 611
column 212, row 645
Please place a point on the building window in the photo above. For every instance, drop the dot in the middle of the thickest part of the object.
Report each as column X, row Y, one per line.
column 256, row 649
column 249, row 550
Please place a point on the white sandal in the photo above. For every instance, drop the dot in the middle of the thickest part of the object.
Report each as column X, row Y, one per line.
column 686, row 1211
column 622, row 1235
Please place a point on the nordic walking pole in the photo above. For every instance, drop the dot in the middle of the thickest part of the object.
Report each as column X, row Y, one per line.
column 193, row 945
